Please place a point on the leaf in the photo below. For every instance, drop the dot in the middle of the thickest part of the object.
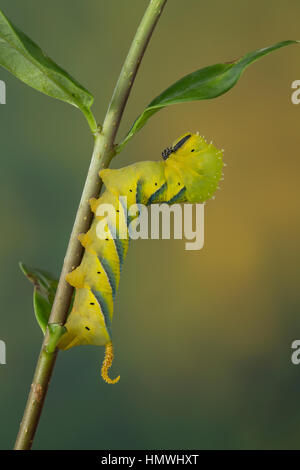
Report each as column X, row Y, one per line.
column 24, row 59
column 56, row 331
column 207, row 83
column 42, row 309
column 43, row 295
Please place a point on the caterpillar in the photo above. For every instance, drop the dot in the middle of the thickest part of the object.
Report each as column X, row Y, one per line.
column 189, row 171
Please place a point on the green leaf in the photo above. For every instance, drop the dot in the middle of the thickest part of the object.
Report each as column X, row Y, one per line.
column 56, row 331
column 45, row 286
column 24, row 59
column 206, row 83
column 42, row 309
column 43, row 295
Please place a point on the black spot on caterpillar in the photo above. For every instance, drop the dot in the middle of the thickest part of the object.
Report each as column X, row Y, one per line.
column 189, row 172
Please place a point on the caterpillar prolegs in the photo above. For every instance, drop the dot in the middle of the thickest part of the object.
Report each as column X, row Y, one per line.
column 189, row 171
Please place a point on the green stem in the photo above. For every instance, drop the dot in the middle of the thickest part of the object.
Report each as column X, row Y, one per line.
column 102, row 155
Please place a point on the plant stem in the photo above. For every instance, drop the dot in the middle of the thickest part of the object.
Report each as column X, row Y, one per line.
column 102, row 155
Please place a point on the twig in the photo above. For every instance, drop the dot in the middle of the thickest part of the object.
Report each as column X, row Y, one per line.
column 102, row 155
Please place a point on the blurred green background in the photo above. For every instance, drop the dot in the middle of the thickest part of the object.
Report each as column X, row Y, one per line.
column 203, row 339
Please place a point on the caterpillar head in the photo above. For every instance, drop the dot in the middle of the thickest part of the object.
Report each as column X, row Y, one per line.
column 197, row 164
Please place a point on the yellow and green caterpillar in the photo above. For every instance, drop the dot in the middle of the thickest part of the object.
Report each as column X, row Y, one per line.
column 189, row 171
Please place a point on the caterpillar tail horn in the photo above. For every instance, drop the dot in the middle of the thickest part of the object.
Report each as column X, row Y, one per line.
column 107, row 362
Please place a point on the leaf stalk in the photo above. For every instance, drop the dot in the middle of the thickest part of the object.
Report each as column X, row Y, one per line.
column 104, row 150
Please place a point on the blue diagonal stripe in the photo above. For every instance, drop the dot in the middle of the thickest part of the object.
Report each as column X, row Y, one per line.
column 110, row 275
column 104, row 309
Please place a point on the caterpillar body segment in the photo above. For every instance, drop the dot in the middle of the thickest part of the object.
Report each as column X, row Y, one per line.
column 188, row 172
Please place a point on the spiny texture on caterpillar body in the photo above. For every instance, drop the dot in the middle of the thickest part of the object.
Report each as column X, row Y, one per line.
column 189, row 172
